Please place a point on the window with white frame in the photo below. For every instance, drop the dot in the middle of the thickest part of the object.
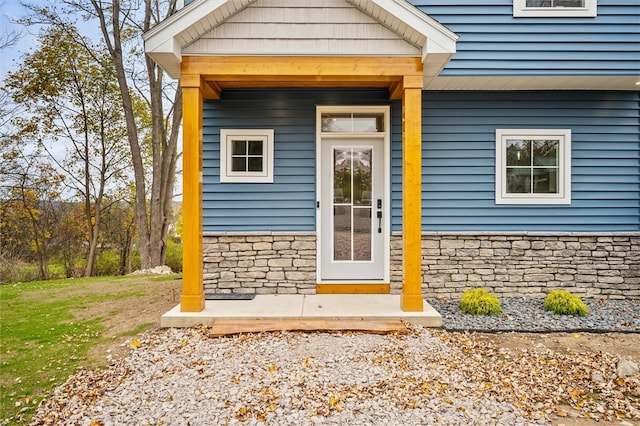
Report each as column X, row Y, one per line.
column 533, row 166
column 246, row 155
column 551, row 8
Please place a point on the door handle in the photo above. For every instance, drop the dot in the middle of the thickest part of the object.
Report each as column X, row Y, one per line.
column 379, row 222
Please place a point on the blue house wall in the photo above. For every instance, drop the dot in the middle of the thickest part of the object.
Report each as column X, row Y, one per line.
column 492, row 42
column 459, row 161
column 288, row 204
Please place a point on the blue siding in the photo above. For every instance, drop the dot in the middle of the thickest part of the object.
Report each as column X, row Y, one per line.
column 459, row 160
column 493, row 42
column 288, row 204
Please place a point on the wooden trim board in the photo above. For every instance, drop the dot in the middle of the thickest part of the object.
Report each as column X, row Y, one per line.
column 353, row 289
column 231, row 326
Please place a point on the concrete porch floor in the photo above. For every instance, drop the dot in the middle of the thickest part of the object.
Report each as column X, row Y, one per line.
column 326, row 306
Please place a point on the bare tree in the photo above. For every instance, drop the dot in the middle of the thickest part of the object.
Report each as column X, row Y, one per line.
column 121, row 23
column 117, row 20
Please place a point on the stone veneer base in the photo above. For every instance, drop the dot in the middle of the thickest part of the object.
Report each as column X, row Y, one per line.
column 260, row 263
column 515, row 265
column 509, row 265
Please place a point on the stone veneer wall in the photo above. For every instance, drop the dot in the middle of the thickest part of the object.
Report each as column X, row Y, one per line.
column 513, row 265
column 509, row 265
column 261, row 263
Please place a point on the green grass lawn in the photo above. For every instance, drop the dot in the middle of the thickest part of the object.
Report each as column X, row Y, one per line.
column 50, row 329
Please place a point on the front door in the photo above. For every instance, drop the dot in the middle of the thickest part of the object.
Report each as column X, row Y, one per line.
column 352, row 209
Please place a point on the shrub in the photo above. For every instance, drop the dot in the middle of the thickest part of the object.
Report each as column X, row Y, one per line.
column 16, row 271
column 173, row 255
column 107, row 263
column 136, row 262
column 480, row 302
column 56, row 271
column 562, row 302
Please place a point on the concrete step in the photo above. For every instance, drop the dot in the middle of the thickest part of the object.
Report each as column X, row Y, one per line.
column 334, row 306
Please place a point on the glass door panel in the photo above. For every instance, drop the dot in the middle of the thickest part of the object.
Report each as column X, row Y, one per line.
column 352, row 188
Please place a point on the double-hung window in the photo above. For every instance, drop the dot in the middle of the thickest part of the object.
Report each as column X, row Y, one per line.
column 533, row 166
column 246, row 155
column 552, row 8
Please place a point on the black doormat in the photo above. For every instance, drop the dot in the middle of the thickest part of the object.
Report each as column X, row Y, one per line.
column 229, row 296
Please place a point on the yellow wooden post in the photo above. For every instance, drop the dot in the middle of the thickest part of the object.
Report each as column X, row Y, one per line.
column 411, row 298
column 192, row 299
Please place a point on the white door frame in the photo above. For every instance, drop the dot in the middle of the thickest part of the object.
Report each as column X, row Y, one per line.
column 386, row 170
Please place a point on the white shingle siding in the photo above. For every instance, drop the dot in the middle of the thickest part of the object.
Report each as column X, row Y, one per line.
column 313, row 27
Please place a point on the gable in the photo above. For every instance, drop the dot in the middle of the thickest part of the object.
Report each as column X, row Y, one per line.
column 294, row 28
column 315, row 27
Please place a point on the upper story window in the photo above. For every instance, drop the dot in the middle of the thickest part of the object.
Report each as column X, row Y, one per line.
column 533, row 166
column 246, row 155
column 552, row 8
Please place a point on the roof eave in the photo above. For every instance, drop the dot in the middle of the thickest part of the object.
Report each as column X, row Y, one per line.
column 163, row 45
column 161, row 42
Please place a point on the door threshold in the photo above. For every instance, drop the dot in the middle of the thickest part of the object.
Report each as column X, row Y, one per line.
column 353, row 288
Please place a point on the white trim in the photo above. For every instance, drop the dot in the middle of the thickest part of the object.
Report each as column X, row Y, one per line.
column 258, row 233
column 521, row 10
column 229, row 135
column 564, row 167
column 536, row 82
column 386, row 110
column 441, row 38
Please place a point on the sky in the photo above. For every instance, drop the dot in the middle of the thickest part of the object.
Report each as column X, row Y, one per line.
column 10, row 12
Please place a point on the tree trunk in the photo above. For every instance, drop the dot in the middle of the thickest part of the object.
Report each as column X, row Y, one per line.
column 153, row 223
column 91, row 256
column 164, row 162
column 115, row 48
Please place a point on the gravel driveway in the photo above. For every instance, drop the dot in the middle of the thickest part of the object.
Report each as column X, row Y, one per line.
column 185, row 377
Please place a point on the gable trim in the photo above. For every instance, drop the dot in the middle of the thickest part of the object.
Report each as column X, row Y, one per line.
column 165, row 42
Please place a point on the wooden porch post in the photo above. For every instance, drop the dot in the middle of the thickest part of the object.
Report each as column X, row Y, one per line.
column 192, row 299
column 411, row 298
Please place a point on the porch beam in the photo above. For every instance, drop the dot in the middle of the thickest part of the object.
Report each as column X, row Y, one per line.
column 192, row 299
column 211, row 90
column 411, row 296
column 302, row 65
column 307, row 80
column 395, row 90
